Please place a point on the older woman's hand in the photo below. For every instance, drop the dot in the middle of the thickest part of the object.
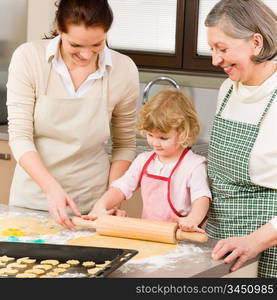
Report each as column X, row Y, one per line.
column 240, row 249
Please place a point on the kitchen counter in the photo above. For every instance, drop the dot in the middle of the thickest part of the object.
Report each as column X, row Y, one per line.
column 189, row 259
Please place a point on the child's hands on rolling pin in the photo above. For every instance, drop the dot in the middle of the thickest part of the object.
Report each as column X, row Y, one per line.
column 189, row 224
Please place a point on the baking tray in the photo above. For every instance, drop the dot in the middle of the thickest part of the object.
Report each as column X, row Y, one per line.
column 66, row 252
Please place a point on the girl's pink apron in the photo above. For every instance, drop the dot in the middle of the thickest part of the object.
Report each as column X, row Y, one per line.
column 156, row 193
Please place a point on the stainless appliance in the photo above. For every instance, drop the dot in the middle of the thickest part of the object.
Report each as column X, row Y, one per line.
column 13, row 32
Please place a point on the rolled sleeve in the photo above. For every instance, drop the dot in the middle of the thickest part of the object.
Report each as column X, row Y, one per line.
column 123, row 119
column 273, row 222
column 199, row 185
column 129, row 181
column 20, row 103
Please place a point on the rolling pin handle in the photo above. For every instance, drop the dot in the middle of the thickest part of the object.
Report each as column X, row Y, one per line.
column 82, row 222
column 193, row 236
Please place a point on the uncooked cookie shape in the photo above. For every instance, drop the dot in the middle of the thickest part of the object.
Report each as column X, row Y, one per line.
column 93, row 271
column 26, row 275
column 65, row 266
column 59, row 270
column 107, row 262
column 6, row 258
column 43, row 267
column 88, row 264
column 17, row 266
column 73, row 262
column 52, row 262
column 26, row 260
column 35, row 271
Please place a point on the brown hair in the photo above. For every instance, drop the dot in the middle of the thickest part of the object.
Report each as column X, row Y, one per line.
column 241, row 19
column 89, row 13
column 170, row 109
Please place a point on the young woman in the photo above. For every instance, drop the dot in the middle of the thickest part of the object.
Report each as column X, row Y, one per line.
column 63, row 95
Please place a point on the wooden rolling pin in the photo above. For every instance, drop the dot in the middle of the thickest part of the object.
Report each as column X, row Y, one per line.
column 140, row 229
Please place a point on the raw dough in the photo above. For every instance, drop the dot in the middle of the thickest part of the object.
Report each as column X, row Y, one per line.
column 43, row 267
column 29, row 227
column 26, row 275
column 52, row 262
column 73, row 262
column 88, row 264
column 65, row 266
column 145, row 248
column 35, row 271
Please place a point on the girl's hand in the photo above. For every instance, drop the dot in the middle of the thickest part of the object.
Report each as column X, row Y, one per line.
column 188, row 224
column 57, row 200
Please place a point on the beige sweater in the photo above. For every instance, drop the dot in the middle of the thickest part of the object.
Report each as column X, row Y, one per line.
column 27, row 80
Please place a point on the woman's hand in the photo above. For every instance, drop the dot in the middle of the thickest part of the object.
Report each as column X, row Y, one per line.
column 58, row 199
column 239, row 248
column 96, row 212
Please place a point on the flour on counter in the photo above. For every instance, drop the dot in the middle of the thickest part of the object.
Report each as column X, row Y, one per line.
column 169, row 260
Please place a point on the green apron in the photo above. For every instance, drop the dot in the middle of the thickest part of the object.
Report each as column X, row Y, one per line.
column 238, row 206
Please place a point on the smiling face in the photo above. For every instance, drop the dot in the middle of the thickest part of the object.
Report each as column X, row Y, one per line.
column 234, row 55
column 166, row 145
column 80, row 46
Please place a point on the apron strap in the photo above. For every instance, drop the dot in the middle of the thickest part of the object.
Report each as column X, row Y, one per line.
column 268, row 106
column 169, row 181
column 152, row 156
column 225, row 100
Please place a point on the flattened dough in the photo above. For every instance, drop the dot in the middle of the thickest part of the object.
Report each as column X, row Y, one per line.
column 144, row 248
column 30, row 227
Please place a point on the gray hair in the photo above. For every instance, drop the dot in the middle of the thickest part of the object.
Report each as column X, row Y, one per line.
column 241, row 19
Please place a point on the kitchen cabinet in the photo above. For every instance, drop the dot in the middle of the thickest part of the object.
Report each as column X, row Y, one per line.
column 7, row 165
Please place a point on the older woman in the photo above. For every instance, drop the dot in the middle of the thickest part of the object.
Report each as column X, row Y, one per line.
column 242, row 162
column 63, row 95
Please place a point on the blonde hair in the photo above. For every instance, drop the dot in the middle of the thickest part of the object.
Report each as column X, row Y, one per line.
column 170, row 109
column 241, row 19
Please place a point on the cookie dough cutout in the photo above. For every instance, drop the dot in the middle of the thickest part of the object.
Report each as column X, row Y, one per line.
column 107, row 262
column 3, row 272
column 73, row 262
column 52, row 262
column 43, row 267
column 93, row 271
column 26, row 275
column 6, row 258
column 88, row 264
column 35, row 271
column 10, row 271
column 65, row 266
column 17, row 266
column 2, row 264
column 145, row 248
column 26, row 260
column 51, row 274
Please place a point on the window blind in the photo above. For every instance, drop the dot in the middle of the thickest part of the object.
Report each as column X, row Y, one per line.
column 143, row 25
column 204, row 7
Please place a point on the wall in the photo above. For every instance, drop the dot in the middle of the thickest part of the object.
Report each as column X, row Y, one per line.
column 203, row 89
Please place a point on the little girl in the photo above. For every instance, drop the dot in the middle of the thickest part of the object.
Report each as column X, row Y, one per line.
column 173, row 179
